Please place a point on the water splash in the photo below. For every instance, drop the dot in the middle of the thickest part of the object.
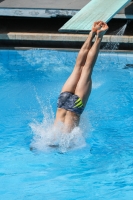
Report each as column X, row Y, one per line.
column 47, row 137
column 115, row 45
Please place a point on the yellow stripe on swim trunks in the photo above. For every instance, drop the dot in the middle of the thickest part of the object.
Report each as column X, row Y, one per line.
column 78, row 103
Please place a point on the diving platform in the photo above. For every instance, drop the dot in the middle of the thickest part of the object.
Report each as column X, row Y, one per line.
column 95, row 10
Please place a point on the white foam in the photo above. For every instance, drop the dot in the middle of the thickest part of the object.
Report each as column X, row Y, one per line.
column 45, row 136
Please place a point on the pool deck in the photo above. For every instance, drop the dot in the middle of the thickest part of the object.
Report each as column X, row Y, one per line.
column 65, row 40
column 47, row 9
column 51, row 8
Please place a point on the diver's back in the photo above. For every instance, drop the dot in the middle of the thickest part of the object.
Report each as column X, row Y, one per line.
column 70, row 119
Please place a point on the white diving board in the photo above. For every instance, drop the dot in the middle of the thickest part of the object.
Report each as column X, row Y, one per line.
column 95, row 10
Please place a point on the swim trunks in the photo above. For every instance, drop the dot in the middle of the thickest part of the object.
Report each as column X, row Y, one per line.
column 70, row 102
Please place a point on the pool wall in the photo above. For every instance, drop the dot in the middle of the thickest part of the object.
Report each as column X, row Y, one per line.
column 60, row 40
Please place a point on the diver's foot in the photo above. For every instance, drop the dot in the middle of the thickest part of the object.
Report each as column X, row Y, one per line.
column 102, row 30
column 96, row 26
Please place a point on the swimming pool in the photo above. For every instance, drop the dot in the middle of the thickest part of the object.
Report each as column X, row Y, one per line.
column 100, row 165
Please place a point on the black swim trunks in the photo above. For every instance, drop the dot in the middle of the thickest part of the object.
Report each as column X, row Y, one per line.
column 70, row 102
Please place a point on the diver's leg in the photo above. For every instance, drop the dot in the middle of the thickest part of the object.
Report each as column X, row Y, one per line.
column 73, row 79
column 83, row 88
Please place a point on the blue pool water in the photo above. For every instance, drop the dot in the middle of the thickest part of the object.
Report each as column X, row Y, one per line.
column 98, row 158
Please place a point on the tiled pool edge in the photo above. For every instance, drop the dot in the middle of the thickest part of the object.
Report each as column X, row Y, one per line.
column 52, row 38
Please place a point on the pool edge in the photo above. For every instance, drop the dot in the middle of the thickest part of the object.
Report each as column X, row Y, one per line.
column 58, row 40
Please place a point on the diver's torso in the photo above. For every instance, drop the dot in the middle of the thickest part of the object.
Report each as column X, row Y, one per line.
column 70, row 119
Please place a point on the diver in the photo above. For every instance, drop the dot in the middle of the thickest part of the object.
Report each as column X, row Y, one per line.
column 76, row 90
